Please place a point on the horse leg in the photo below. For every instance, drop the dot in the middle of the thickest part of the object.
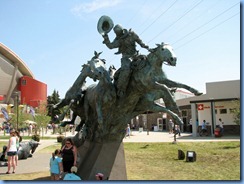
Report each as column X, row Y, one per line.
column 71, row 122
column 99, row 112
column 155, row 107
column 172, row 84
column 167, row 97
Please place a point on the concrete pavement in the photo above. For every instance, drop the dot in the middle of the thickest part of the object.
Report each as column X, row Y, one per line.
column 40, row 161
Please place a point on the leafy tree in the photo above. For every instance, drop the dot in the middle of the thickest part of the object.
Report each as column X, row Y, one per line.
column 20, row 119
column 236, row 111
column 51, row 100
column 41, row 118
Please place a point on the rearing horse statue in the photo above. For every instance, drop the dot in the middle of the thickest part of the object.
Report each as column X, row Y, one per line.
column 110, row 115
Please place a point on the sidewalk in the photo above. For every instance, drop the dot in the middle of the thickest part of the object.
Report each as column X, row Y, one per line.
column 166, row 137
column 40, row 161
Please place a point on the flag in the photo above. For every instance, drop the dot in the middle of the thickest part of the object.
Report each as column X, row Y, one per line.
column 5, row 113
column 32, row 111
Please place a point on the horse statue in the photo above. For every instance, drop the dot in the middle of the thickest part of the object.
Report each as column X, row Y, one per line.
column 26, row 149
column 100, row 98
column 74, row 96
column 160, row 85
column 75, row 92
column 105, row 116
column 3, row 160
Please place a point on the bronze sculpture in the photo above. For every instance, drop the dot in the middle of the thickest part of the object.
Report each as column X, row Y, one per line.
column 105, row 115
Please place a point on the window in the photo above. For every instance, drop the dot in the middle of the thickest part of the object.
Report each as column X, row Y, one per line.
column 216, row 112
column 23, row 82
column 223, row 111
column 184, row 113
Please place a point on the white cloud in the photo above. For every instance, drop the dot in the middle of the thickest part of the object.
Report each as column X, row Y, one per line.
column 94, row 6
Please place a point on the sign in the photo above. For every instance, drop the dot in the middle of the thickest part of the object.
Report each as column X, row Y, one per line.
column 200, row 107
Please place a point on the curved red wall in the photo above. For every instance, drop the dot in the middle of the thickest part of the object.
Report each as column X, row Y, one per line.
column 33, row 92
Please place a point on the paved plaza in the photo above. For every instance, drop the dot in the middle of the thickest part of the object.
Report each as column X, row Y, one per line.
column 40, row 161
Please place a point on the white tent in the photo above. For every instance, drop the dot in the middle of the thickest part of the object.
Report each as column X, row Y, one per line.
column 29, row 122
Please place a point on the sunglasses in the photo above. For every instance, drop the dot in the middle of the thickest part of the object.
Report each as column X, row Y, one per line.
column 67, row 143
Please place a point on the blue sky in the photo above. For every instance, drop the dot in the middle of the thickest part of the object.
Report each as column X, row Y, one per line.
column 55, row 37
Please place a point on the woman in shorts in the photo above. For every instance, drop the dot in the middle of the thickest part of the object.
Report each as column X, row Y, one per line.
column 11, row 151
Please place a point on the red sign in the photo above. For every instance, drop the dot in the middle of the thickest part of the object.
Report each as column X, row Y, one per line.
column 200, row 107
column 1, row 97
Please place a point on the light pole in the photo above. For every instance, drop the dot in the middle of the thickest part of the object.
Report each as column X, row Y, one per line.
column 17, row 109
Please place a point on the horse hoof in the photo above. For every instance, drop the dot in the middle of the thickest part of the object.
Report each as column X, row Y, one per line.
column 198, row 94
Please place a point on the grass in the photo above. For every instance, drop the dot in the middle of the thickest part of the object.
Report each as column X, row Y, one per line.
column 159, row 161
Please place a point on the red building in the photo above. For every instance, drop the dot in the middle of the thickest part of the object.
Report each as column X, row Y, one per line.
column 33, row 92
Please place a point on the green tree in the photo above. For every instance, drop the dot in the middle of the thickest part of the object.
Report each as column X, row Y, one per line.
column 236, row 111
column 20, row 119
column 51, row 100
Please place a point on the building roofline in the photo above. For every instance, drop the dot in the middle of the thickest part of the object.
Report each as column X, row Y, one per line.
column 213, row 100
column 9, row 54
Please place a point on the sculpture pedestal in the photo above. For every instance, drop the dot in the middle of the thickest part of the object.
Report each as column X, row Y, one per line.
column 107, row 158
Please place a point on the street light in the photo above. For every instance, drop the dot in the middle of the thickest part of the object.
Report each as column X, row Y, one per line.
column 16, row 93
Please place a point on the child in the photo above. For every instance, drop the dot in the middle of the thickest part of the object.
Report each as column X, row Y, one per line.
column 56, row 166
column 72, row 175
column 99, row 176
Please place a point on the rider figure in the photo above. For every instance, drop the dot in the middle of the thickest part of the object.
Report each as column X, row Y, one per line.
column 125, row 41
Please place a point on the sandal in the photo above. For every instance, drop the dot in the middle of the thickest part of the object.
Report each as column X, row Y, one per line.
column 7, row 172
column 13, row 172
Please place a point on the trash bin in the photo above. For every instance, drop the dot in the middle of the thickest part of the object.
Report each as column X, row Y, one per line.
column 217, row 132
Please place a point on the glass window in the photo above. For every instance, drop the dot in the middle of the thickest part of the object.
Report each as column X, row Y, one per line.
column 23, row 82
column 223, row 111
column 184, row 113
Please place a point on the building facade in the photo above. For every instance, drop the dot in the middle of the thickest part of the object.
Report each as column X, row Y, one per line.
column 218, row 102
column 17, row 83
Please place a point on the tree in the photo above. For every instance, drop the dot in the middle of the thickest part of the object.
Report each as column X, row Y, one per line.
column 21, row 118
column 51, row 100
column 41, row 117
column 236, row 111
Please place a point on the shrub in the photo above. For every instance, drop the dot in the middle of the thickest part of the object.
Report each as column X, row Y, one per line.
column 60, row 138
column 36, row 137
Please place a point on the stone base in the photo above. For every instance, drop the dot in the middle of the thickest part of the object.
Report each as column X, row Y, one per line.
column 119, row 168
column 102, row 157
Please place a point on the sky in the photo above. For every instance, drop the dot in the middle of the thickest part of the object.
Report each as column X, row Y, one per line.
column 55, row 37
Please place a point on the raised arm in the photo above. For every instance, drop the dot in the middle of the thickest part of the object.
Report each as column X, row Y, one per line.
column 110, row 45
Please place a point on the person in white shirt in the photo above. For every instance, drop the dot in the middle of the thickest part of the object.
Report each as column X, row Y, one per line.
column 11, row 151
column 221, row 126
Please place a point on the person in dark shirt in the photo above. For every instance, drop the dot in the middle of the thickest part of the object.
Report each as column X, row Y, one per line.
column 69, row 154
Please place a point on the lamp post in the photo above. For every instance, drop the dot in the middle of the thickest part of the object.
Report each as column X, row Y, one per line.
column 17, row 109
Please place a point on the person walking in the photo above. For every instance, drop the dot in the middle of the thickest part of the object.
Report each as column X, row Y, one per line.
column 56, row 166
column 11, row 151
column 18, row 140
column 171, row 126
column 69, row 154
column 72, row 175
column 204, row 129
column 221, row 126
column 127, row 131
column 177, row 130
